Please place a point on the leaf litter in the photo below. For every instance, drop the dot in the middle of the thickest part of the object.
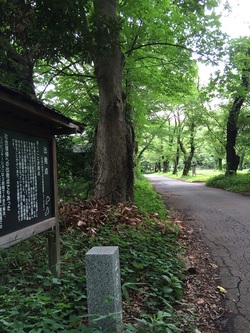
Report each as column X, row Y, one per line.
column 202, row 299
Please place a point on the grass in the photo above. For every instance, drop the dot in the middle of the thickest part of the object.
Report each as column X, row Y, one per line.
column 217, row 179
column 148, row 200
column 236, row 183
column 34, row 301
column 201, row 175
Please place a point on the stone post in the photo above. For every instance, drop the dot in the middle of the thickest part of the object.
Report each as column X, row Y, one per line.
column 104, row 288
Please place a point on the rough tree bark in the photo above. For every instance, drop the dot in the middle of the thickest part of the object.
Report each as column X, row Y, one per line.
column 113, row 165
column 232, row 125
column 232, row 131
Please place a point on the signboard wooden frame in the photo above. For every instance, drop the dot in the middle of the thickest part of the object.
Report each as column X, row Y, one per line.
column 28, row 170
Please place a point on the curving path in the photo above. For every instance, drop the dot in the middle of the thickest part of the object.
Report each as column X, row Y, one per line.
column 223, row 219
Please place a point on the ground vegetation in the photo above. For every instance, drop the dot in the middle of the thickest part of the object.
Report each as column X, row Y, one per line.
column 160, row 292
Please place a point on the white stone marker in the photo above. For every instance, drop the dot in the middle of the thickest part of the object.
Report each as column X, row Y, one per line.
column 104, row 288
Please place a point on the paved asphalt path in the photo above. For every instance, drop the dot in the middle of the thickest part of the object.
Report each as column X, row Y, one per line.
column 223, row 219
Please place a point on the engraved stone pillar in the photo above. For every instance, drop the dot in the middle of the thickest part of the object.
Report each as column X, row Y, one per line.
column 104, row 288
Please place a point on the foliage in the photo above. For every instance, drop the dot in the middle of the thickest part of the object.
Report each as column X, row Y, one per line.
column 235, row 183
column 29, row 292
column 209, row 136
column 226, row 82
column 34, row 301
column 179, row 138
column 214, row 134
column 232, row 85
column 74, row 157
column 73, row 188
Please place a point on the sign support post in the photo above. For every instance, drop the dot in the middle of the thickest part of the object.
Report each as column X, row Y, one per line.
column 53, row 234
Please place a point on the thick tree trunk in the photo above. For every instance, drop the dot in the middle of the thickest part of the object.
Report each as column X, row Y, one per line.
column 233, row 159
column 113, row 165
column 232, row 125
column 232, row 131
column 187, row 165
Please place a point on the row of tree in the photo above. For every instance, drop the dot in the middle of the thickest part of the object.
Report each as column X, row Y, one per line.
column 212, row 128
column 128, row 72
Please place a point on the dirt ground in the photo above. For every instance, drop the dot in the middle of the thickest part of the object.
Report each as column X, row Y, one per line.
column 203, row 295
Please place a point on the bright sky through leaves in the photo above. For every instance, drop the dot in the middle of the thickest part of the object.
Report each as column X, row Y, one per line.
column 236, row 23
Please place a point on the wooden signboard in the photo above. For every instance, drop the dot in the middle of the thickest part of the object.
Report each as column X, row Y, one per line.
column 26, row 193
column 28, row 170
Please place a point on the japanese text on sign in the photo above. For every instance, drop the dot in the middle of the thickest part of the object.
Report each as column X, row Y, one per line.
column 25, row 184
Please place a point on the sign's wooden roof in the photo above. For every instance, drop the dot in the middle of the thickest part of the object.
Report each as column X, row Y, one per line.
column 20, row 112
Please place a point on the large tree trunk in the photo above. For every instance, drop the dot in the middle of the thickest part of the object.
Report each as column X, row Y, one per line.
column 113, row 165
column 232, row 131
column 232, row 125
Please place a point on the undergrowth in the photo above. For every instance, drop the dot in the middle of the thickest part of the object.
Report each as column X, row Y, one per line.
column 147, row 199
column 235, row 183
column 34, row 301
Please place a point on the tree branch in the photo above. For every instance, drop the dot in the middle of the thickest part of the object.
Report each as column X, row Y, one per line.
column 62, row 72
column 168, row 44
